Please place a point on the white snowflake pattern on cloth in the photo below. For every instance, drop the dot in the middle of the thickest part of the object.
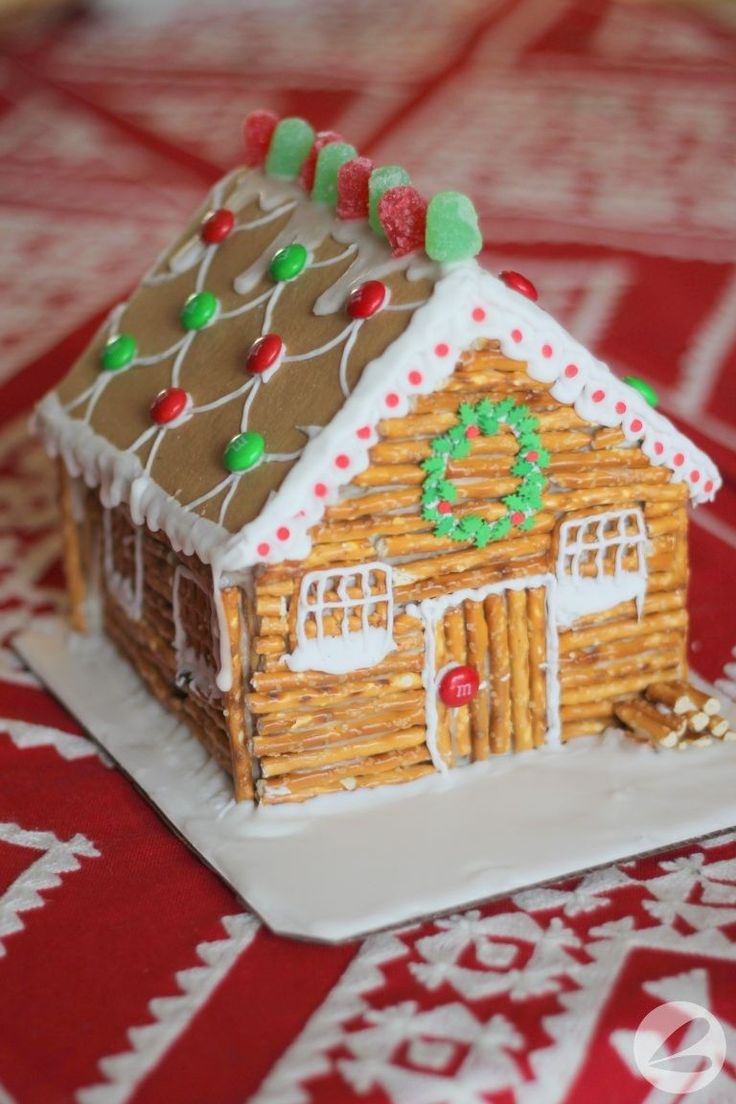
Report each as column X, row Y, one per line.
column 435, row 1048
column 57, row 858
column 693, row 986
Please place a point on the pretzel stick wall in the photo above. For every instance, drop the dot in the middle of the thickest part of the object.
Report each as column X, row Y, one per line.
column 500, row 664
column 480, row 707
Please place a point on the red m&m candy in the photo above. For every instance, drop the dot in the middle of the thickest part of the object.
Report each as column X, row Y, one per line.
column 216, row 226
column 169, row 405
column 367, row 299
column 519, row 283
column 264, row 353
column 459, row 686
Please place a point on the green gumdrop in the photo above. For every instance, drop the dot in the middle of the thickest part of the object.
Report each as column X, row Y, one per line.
column 387, row 176
column 329, row 160
column 291, row 142
column 452, row 232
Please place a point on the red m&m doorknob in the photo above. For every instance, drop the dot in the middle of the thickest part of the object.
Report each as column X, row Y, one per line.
column 458, row 686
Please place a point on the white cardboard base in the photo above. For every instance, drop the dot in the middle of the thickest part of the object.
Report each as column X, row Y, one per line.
column 344, row 865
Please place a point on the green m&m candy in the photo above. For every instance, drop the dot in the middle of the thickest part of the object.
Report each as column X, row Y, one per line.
column 244, row 451
column 118, row 352
column 288, row 262
column 645, row 389
column 199, row 310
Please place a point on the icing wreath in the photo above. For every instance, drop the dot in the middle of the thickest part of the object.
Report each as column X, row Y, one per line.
column 484, row 419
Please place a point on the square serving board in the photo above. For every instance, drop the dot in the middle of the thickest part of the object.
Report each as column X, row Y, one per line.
column 343, row 865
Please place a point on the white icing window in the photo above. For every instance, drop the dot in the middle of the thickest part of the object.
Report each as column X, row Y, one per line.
column 601, row 561
column 344, row 620
column 196, row 635
column 122, row 558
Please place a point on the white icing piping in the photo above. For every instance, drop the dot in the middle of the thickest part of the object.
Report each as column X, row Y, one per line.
column 578, row 595
column 127, row 592
column 432, row 610
column 353, row 649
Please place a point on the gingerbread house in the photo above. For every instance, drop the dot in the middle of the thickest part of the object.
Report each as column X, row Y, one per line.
column 356, row 509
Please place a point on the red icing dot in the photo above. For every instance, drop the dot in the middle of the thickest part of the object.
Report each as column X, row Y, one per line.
column 658, row 448
column 516, row 335
column 168, row 405
column 367, row 299
column 678, row 459
column 342, row 460
column 479, row 315
column 364, row 432
column 636, row 425
column 320, row 490
column 532, row 455
column 444, row 507
column 263, row 549
column 217, row 226
column 415, row 378
column 620, row 407
column 708, row 486
column 392, row 399
column 517, row 517
column 442, row 349
column 519, row 283
column 472, row 431
column 695, row 476
column 283, row 533
column 264, row 352
column 598, row 396
column 547, row 350
column 571, row 371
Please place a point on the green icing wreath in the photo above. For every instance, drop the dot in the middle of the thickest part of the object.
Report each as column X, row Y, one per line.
column 438, row 492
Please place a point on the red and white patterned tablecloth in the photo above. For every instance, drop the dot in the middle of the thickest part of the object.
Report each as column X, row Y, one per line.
column 598, row 138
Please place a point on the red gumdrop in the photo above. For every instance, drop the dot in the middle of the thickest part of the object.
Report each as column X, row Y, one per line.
column 352, row 188
column 258, row 128
column 306, row 173
column 459, row 686
column 403, row 215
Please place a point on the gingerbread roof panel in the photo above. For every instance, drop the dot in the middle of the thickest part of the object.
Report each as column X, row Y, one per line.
column 320, row 349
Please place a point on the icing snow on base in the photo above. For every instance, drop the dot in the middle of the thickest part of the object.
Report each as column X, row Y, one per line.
column 342, row 865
